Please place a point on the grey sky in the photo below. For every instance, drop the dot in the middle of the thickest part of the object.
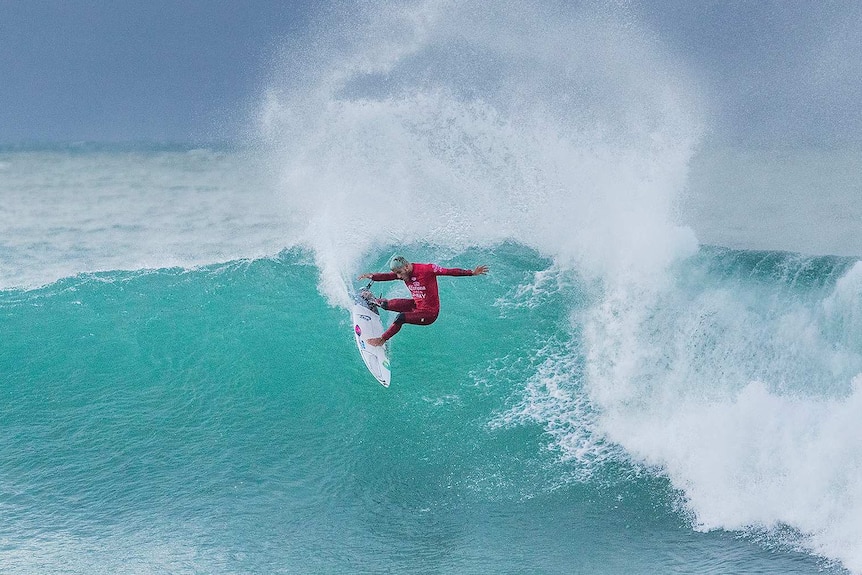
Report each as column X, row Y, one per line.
column 155, row 70
column 779, row 71
column 776, row 71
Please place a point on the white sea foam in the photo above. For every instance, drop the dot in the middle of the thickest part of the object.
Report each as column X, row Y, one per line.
column 744, row 394
column 761, row 459
column 747, row 399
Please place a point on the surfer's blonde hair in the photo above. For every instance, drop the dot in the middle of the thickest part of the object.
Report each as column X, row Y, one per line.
column 398, row 262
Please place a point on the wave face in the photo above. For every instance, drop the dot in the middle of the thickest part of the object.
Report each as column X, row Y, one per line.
column 219, row 420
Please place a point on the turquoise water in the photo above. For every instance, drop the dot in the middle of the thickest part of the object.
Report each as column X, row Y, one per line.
column 181, row 388
column 219, row 420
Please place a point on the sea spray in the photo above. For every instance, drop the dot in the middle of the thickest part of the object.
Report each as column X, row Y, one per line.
column 567, row 130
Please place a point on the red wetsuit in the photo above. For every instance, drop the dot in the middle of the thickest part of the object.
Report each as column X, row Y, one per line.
column 425, row 305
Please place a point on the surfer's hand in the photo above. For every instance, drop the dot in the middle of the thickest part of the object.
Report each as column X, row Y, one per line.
column 480, row 270
column 365, row 277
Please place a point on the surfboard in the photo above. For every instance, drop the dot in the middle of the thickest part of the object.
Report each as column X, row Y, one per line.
column 367, row 324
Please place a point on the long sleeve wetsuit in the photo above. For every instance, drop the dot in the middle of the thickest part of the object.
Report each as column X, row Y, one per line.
column 425, row 305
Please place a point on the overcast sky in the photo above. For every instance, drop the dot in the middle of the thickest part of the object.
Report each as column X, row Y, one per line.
column 779, row 70
column 120, row 70
column 191, row 70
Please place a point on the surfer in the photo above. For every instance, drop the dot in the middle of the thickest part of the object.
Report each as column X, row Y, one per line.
column 421, row 280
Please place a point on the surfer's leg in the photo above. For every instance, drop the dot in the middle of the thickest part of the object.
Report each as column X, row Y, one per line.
column 417, row 317
column 398, row 304
column 396, row 325
column 411, row 317
column 393, row 329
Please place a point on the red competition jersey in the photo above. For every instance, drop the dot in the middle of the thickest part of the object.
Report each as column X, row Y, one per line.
column 423, row 284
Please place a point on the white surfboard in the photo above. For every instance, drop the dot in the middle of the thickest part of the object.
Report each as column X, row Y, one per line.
column 367, row 324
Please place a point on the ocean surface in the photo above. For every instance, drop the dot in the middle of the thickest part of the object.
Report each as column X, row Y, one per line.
column 216, row 418
column 662, row 372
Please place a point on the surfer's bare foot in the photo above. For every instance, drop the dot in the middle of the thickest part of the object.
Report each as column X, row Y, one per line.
column 375, row 341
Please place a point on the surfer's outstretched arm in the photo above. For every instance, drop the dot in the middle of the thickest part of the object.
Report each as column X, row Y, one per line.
column 478, row 271
column 381, row 277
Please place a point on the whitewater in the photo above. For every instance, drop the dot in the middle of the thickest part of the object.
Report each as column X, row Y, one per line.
column 182, row 392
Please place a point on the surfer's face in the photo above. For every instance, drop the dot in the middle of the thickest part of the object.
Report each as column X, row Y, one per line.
column 403, row 272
